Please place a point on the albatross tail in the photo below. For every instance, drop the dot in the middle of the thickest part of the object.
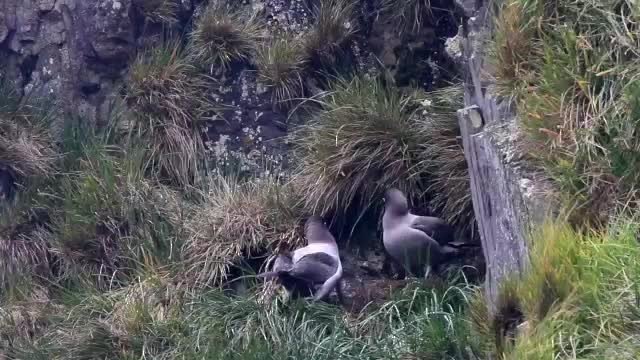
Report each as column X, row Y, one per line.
column 330, row 284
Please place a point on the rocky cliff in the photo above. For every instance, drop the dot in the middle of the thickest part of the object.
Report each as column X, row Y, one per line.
column 77, row 53
column 73, row 52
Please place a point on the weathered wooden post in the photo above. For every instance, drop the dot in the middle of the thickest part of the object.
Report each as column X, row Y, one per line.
column 507, row 194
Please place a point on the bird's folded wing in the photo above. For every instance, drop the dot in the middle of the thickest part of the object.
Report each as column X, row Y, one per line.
column 434, row 228
column 315, row 268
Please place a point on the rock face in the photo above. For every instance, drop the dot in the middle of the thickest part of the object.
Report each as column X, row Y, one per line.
column 71, row 51
column 508, row 196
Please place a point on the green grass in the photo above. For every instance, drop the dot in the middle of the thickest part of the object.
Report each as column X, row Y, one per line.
column 159, row 11
column 224, row 34
column 579, row 300
column 281, row 65
column 368, row 137
column 360, row 142
column 406, row 16
column 571, row 67
column 154, row 318
column 168, row 99
column 26, row 147
column 328, row 41
column 95, row 216
column 442, row 157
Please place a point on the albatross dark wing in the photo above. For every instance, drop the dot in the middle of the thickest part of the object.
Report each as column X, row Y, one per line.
column 435, row 227
column 314, row 268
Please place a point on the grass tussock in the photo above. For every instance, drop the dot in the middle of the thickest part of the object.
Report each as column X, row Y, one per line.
column 407, row 16
column 168, row 98
column 329, row 38
column 23, row 256
column 159, row 11
column 27, row 150
column 578, row 300
column 442, row 156
column 281, row 65
column 571, row 68
column 368, row 137
column 237, row 219
column 362, row 141
column 224, row 34
column 111, row 219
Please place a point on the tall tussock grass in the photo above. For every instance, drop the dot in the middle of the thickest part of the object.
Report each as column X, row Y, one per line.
column 369, row 136
column 224, row 34
column 27, row 150
column 361, row 142
column 571, row 67
column 238, row 219
column 442, row 157
column 281, row 66
column 327, row 43
column 168, row 100
column 578, row 300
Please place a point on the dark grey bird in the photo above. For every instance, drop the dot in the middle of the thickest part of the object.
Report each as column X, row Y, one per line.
column 315, row 265
column 418, row 243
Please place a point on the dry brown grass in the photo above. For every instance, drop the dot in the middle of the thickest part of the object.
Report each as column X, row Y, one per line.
column 26, row 146
column 23, row 255
column 29, row 152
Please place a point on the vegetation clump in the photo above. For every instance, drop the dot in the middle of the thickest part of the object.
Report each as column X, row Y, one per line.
column 442, row 156
column 571, row 70
column 368, row 137
column 27, row 151
column 361, row 142
column 159, row 319
column 328, row 40
column 578, row 298
column 158, row 11
column 281, row 65
column 234, row 220
column 168, row 99
column 224, row 34
column 407, row 16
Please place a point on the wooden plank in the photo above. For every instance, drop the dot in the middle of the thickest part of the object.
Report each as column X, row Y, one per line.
column 508, row 198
